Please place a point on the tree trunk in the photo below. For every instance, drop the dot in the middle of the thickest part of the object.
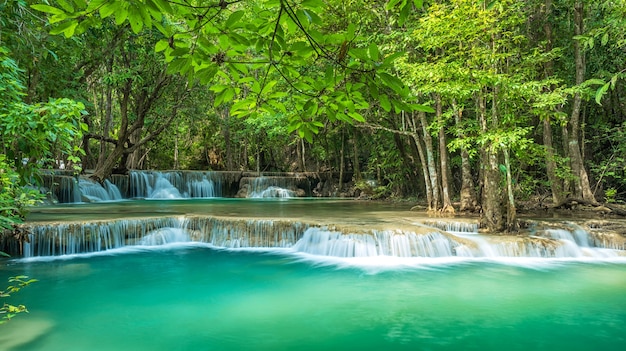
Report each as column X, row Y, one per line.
column 555, row 182
column 356, row 165
column 468, row 198
column 108, row 114
column 492, row 211
column 341, row 161
column 443, row 159
column 406, row 160
column 302, row 145
column 556, row 185
column 432, row 168
column 224, row 112
column 582, row 187
column 511, row 211
column 420, row 150
column 176, row 163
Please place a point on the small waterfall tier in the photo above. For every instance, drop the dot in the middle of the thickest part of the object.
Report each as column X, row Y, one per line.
column 52, row 239
column 324, row 242
column 69, row 189
column 274, row 186
column 179, row 185
column 55, row 239
column 175, row 184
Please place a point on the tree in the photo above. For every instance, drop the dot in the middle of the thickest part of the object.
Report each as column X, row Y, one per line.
column 139, row 100
column 32, row 137
column 326, row 73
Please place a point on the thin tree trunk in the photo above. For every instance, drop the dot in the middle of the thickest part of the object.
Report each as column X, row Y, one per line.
column 491, row 210
column 356, row 166
column 581, row 182
column 468, row 193
column 432, row 168
column 176, row 150
column 227, row 140
column 108, row 114
column 302, row 145
column 443, row 159
column 556, row 185
column 341, row 161
column 511, row 213
column 422, row 156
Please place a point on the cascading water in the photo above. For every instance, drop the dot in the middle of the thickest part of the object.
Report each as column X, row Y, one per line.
column 84, row 237
column 179, row 185
column 454, row 227
column 272, row 187
column 94, row 192
column 272, row 191
column 174, row 185
column 163, row 236
column 301, row 237
column 323, row 242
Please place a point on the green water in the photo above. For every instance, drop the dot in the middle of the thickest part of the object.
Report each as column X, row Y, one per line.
column 199, row 298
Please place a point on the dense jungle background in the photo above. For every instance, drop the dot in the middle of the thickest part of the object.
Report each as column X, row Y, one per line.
column 465, row 105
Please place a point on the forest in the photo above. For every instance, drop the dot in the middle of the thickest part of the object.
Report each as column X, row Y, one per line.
column 464, row 105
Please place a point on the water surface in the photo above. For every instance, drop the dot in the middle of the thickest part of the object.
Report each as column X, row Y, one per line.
column 194, row 297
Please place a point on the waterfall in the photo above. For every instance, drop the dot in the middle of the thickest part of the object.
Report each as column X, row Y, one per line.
column 281, row 187
column 401, row 243
column 164, row 236
column 50, row 239
column 179, row 185
column 175, row 184
column 272, row 191
column 56, row 239
column 317, row 241
column 455, row 227
column 94, row 192
column 64, row 188
column 234, row 233
column 82, row 237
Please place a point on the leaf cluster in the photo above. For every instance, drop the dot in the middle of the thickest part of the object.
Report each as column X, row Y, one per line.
column 259, row 57
column 8, row 311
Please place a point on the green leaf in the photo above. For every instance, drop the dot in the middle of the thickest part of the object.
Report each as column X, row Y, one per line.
column 404, row 13
column 356, row 116
column 422, row 108
column 373, row 51
column 600, row 93
column 163, row 5
column 121, row 16
column 61, row 28
column 94, row 5
column 234, row 18
column 136, row 21
column 48, row 9
column 392, row 82
column 66, row 5
column 161, row 45
column 605, row 39
column 391, row 4
column 109, row 8
column 229, row 94
column 389, row 59
column 384, row 103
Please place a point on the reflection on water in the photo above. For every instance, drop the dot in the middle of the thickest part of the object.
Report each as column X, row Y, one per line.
column 337, row 211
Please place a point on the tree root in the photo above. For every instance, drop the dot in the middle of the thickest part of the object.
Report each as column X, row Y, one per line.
column 570, row 202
